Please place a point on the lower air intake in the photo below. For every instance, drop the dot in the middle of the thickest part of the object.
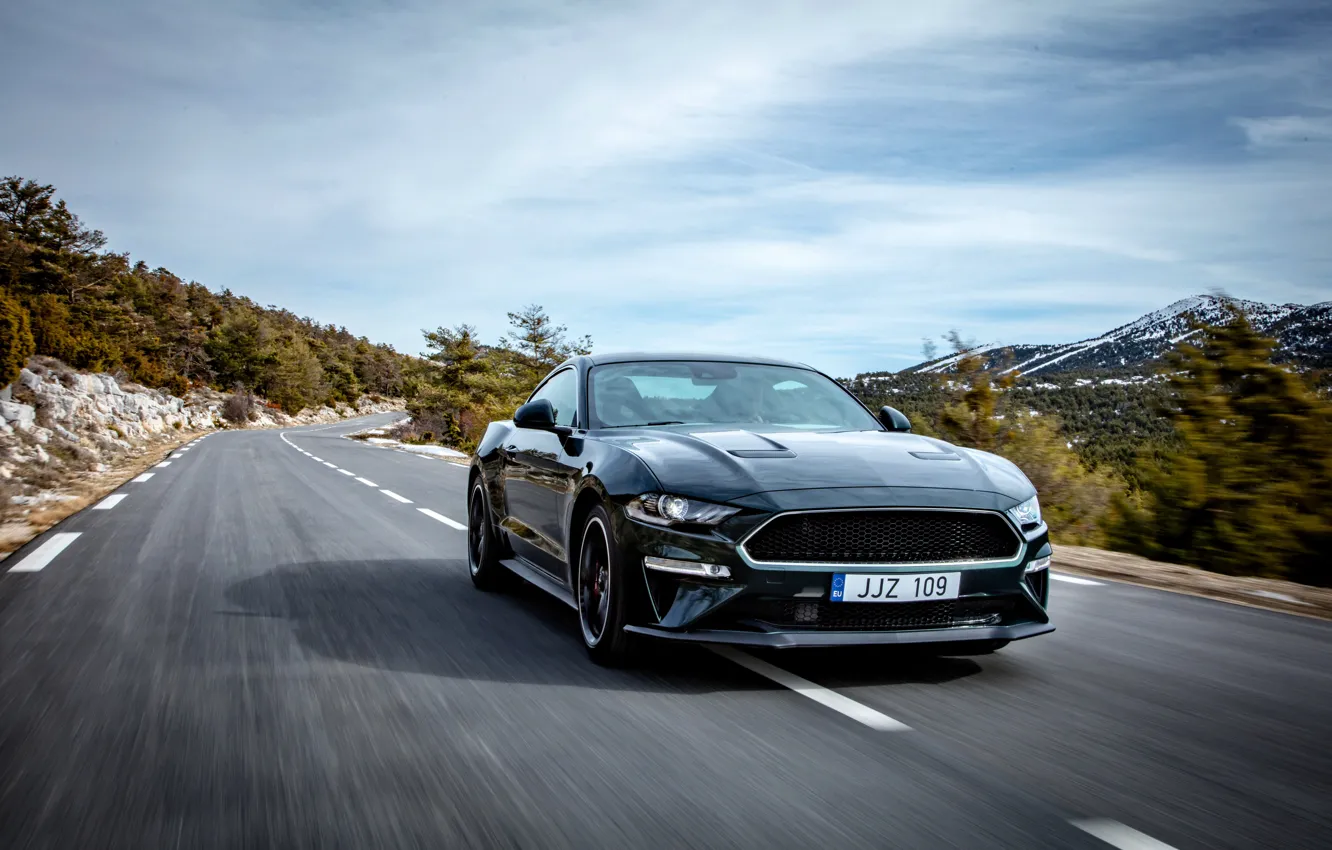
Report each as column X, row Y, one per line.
column 869, row 616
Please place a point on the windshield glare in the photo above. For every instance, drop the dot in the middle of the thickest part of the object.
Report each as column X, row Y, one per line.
column 707, row 393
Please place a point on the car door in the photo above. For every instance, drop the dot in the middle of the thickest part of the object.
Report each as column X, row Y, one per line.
column 539, row 477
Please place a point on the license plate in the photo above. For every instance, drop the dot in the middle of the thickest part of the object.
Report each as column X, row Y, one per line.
column 878, row 587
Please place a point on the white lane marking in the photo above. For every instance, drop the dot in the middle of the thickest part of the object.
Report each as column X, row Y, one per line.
column 1116, row 834
column 1075, row 580
column 333, row 465
column 449, row 522
column 165, row 463
column 818, row 693
column 367, row 482
column 346, row 472
column 45, row 553
column 109, row 502
column 142, row 478
column 320, row 459
column 393, row 495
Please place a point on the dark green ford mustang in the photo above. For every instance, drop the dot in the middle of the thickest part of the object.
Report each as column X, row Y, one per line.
column 751, row 501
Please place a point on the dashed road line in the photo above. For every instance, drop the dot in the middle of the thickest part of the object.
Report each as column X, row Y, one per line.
column 45, row 553
column 393, row 495
column 1076, row 580
column 109, row 502
column 347, row 472
column 165, row 463
column 1117, row 835
column 823, row 696
column 449, row 522
column 142, row 478
column 333, row 465
column 320, row 459
column 367, row 482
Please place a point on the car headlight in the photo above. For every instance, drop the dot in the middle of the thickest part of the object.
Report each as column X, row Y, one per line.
column 665, row 509
column 1027, row 513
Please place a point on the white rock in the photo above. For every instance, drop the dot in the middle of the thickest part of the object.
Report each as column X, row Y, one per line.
column 22, row 416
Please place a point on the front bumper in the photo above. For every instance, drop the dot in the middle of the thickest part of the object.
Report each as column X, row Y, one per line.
column 796, row 640
column 789, row 605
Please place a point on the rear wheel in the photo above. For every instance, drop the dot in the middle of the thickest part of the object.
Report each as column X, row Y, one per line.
column 602, row 595
column 482, row 549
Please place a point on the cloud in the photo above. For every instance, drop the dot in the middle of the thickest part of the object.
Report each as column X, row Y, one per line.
column 827, row 184
column 1286, row 130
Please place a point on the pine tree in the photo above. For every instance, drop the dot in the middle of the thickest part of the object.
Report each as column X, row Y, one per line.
column 1249, row 488
column 16, row 343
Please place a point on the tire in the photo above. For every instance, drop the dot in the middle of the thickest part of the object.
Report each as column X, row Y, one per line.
column 488, row 573
column 602, row 593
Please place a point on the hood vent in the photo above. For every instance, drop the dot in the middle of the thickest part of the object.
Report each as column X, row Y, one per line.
column 936, row 455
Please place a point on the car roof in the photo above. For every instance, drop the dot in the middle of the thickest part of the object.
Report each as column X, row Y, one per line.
column 654, row 356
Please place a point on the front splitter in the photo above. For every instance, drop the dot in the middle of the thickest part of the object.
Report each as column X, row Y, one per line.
column 793, row 639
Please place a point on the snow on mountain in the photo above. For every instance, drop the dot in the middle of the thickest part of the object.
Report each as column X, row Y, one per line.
column 1303, row 334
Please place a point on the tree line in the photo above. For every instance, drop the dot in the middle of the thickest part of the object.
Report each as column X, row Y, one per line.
column 62, row 294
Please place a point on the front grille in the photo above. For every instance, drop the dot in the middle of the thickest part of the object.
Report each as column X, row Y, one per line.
column 869, row 616
column 884, row 537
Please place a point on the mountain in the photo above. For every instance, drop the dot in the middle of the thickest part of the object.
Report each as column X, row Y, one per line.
column 1303, row 335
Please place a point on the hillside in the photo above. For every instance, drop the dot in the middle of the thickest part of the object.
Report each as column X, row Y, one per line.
column 1303, row 335
column 64, row 296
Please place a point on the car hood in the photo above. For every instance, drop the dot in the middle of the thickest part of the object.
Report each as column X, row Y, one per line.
column 721, row 464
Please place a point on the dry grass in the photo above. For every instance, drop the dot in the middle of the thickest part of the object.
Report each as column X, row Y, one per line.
column 84, row 488
column 1272, row 594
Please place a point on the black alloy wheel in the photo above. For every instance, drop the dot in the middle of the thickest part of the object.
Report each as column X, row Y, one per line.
column 482, row 553
column 601, row 593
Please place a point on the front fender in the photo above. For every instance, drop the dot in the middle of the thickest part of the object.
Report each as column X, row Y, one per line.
column 488, row 463
column 611, row 475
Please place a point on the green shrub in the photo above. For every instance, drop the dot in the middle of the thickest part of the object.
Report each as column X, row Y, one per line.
column 16, row 342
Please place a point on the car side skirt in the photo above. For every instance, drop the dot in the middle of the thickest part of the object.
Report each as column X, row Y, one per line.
column 541, row 579
column 791, row 640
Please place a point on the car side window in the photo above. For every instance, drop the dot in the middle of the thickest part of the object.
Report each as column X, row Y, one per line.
column 562, row 392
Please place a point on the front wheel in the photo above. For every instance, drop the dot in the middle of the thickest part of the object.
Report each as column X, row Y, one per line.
column 602, row 595
column 482, row 549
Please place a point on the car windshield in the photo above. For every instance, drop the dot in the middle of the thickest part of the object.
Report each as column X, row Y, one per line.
column 681, row 392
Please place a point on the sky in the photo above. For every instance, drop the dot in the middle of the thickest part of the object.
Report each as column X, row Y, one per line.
column 830, row 182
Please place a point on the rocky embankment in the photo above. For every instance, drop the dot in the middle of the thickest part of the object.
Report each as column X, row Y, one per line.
column 63, row 433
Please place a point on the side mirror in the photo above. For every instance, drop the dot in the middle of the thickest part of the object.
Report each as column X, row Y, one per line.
column 539, row 414
column 893, row 419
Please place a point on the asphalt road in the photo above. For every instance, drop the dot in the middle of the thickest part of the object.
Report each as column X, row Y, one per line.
column 255, row 649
